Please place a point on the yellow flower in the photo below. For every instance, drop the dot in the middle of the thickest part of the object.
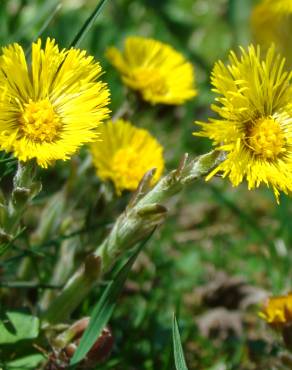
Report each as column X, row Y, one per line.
column 271, row 22
column 255, row 124
column 279, row 6
column 277, row 311
column 51, row 106
column 125, row 154
column 156, row 70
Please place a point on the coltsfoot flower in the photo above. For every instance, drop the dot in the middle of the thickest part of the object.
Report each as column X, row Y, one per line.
column 271, row 22
column 125, row 153
column 255, row 125
column 155, row 69
column 277, row 311
column 279, row 6
column 51, row 106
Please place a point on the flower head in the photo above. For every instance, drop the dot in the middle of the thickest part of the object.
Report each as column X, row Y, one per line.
column 277, row 311
column 156, row 70
column 271, row 22
column 255, row 124
column 51, row 106
column 125, row 154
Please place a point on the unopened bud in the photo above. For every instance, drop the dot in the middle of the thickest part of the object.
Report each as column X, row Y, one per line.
column 65, row 345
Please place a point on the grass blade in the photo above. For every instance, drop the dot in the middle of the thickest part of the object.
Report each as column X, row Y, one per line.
column 44, row 27
column 104, row 308
column 180, row 363
column 47, row 22
column 87, row 25
column 43, row 14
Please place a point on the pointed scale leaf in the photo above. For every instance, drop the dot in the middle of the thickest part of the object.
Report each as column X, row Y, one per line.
column 180, row 363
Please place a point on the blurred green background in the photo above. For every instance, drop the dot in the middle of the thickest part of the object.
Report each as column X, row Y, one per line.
column 215, row 233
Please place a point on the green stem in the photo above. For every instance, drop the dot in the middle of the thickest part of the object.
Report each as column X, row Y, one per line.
column 25, row 188
column 74, row 292
column 143, row 214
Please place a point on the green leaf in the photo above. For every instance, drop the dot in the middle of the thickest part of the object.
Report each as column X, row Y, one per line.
column 28, row 362
column 18, row 325
column 104, row 308
column 180, row 363
column 88, row 24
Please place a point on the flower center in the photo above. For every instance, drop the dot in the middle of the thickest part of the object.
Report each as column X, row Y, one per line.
column 128, row 168
column 39, row 122
column 266, row 138
column 150, row 78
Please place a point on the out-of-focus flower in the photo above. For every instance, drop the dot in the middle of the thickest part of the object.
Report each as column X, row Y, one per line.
column 125, row 153
column 255, row 125
column 51, row 106
column 271, row 22
column 277, row 311
column 155, row 69
column 279, row 6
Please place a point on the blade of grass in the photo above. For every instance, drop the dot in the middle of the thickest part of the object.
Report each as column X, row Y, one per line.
column 27, row 285
column 105, row 307
column 44, row 27
column 179, row 359
column 87, row 25
column 49, row 20
column 42, row 14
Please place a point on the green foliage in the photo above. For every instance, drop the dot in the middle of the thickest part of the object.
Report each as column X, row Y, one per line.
column 87, row 25
column 18, row 325
column 26, row 363
column 211, row 227
column 105, row 306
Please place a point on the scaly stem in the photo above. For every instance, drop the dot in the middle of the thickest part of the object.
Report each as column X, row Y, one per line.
column 25, row 188
column 144, row 212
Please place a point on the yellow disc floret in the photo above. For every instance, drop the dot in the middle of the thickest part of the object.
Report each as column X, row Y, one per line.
column 129, row 166
column 151, row 80
column 39, row 122
column 266, row 138
column 125, row 154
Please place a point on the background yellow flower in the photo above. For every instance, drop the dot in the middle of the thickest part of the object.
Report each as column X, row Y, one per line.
column 255, row 124
column 125, row 153
column 51, row 106
column 277, row 311
column 271, row 22
column 155, row 69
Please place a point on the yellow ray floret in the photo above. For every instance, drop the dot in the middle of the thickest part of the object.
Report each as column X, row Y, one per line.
column 254, row 127
column 125, row 153
column 155, row 69
column 51, row 106
column 277, row 311
column 271, row 22
column 280, row 6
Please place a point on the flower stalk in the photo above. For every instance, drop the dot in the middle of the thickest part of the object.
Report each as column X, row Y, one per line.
column 25, row 188
column 145, row 211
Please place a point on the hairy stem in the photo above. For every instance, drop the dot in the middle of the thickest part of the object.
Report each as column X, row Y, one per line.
column 145, row 211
